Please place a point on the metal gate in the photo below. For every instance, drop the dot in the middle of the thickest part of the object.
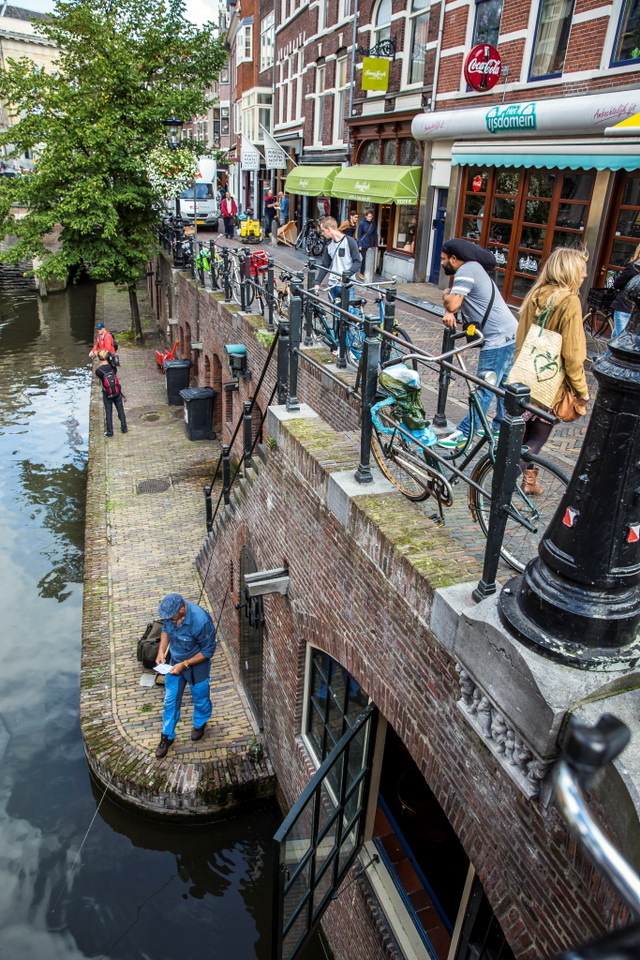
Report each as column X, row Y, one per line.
column 251, row 636
column 321, row 837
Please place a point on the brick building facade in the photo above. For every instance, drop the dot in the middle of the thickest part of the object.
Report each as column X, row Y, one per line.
column 456, row 805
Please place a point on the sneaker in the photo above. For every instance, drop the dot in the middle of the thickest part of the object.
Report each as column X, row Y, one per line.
column 108, row 434
column 163, row 747
column 454, row 441
column 495, row 432
column 197, row 733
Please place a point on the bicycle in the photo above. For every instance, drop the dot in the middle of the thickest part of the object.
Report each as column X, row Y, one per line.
column 419, row 472
column 216, row 268
column 598, row 320
column 203, row 262
column 310, row 239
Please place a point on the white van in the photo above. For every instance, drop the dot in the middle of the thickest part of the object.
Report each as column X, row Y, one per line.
column 207, row 210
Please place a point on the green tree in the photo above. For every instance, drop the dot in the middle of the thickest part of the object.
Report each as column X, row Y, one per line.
column 124, row 66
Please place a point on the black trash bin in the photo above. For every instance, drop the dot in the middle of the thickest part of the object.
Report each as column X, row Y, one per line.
column 177, row 376
column 198, row 412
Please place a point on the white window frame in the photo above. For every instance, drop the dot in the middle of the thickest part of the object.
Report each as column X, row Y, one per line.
column 244, row 43
column 381, row 31
column 267, row 41
column 321, row 86
column 412, row 17
column 339, row 99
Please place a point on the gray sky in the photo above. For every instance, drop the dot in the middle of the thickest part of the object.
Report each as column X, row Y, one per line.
column 198, row 11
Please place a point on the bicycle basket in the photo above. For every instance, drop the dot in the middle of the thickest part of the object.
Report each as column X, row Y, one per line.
column 403, row 384
column 601, row 298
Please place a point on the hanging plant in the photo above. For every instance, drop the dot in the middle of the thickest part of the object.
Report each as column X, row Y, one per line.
column 171, row 171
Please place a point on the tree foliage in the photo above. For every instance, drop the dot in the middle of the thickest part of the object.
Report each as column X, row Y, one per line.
column 124, row 66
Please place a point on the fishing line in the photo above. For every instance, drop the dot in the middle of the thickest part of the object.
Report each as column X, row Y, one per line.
column 132, row 925
column 84, row 840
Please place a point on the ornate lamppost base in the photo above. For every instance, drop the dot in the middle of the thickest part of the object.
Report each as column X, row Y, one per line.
column 587, row 636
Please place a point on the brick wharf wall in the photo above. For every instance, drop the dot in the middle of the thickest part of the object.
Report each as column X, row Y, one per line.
column 363, row 593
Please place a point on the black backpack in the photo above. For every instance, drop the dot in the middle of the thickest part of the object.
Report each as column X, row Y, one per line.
column 111, row 384
column 149, row 644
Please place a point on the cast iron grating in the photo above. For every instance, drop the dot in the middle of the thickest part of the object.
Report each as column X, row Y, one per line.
column 153, row 486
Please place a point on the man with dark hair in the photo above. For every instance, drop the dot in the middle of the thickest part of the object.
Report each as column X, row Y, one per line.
column 112, row 395
column 189, row 633
column 476, row 297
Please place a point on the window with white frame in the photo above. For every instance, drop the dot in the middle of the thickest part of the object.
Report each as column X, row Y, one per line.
column 486, row 28
column 320, row 102
column 267, row 41
column 627, row 45
column 323, row 15
column 264, row 114
column 419, row 26
column 244, row 43
column 224, row 75
column 340, row 100
column 552, row 38
column 344, row 9
column 382, row 22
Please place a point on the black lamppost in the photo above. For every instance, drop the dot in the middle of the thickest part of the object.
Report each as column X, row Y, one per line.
column 173, row 132
column 578, row 602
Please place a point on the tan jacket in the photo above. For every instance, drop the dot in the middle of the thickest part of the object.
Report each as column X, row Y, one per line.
column 565, row 318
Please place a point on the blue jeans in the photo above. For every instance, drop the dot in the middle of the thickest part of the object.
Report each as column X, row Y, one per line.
column 500, row 360
column 174, row 686
column 620, row 320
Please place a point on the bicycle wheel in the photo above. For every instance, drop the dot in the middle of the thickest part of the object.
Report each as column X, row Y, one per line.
column 354, row 340
column 520, row 544
column 314, row 245
column 598, row 328
column 322, row 328
column 235, row 287
column 399, row 465
column 216, row 273
column 452, row 453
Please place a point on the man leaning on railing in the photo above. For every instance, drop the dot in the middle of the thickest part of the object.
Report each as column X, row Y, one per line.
column 341, row 255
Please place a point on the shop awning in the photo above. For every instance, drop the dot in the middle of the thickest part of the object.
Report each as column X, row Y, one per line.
column 564, row 155
column 311, row 181
column 378, row 184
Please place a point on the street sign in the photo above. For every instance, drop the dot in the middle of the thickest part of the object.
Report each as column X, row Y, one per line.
column 483, row 67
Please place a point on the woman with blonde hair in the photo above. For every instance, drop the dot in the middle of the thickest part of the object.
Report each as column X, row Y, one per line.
column 621, row 305
column 556, row 288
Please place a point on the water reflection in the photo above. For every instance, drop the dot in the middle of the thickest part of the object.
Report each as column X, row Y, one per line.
column 71, row 886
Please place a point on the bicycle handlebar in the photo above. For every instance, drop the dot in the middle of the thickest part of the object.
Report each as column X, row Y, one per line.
column 586, row 751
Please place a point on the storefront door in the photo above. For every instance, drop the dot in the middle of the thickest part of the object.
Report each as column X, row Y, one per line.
column 522, row 215
column 622, row 234
column 438, row 236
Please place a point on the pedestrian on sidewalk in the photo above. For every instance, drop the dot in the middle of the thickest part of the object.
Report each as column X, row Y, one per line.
column 189, row 634
column 340, row 256
column 228, row 209
column 475, row 296
column 112, row 395
column 367, row 245
column 104, row 341
column 621, row 305
column 350, row 225
column 555, row 293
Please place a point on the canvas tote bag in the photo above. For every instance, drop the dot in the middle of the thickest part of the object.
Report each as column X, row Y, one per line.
column 539, row 363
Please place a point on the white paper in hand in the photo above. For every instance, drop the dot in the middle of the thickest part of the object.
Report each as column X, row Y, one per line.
column 162, row 668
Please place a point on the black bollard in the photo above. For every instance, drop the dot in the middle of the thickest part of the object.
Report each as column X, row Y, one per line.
column 578, row 602
column 444, row 379
column 308, row 304
column 370, row 363
column 295, row 334
column 271, row 294
column 389, row 322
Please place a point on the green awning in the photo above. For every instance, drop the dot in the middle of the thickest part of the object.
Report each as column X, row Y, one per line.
column 378, row 184
column 310, row 181
column 590, row 156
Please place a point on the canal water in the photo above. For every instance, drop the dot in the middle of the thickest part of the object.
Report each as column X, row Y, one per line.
column 80, row 878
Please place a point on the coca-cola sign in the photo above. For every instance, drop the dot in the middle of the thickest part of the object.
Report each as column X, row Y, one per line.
column 482, row 67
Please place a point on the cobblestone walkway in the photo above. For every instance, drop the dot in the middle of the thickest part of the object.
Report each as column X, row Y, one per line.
column 151, row 542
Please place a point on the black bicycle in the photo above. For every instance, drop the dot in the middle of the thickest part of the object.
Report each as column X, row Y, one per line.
column 310, row 239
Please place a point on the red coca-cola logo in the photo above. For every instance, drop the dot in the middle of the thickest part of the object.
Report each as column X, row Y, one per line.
column 482, row 67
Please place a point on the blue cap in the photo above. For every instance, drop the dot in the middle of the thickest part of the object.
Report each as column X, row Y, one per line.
column 100, row 326
column 170, row 606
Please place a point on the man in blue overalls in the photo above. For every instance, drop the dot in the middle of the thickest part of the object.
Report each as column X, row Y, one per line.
column 189, row 633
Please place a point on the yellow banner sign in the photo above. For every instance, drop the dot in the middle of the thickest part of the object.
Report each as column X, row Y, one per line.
column 375, row 73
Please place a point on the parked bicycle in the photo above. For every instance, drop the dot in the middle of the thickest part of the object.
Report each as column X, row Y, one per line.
column 598, row 320
column 310, row 239
column 203, row 262
column 420, row 469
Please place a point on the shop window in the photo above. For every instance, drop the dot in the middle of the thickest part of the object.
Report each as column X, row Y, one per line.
column 389, row 153
column 419, row 25
column 552, row 38
column 382, row 22
column 624, row 232
column 410, row 155
column 335, row 701
column 370, row 152
column 627, row 46
column 486, row 28
column 405, row 229
column 521, row 216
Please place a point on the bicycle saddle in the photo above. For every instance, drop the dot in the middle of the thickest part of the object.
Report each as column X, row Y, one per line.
column 358, row 302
